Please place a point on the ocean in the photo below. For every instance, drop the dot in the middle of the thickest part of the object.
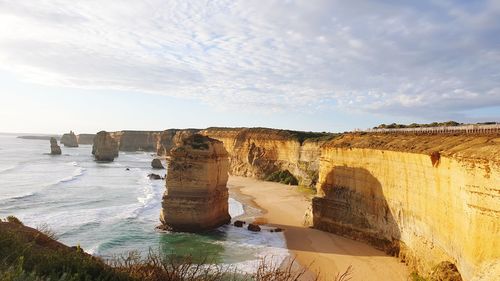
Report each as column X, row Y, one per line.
column 109, row 210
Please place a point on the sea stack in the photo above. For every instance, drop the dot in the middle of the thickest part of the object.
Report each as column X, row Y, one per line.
column 156, row 164
column 105, row 147
column 55, row 149
column 69, row 140
column 196, row 198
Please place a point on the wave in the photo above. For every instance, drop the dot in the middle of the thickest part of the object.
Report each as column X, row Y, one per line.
column 76, row 174
column 151, row 197
column 19, row 196
column 8, row 169
column 235, row 208
column 24, row 196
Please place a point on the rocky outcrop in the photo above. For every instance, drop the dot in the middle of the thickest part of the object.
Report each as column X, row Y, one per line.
column 196, row 197
column 105, row 147
column 86, row 138
column 156, row 164
column 69, row 140
column 55, row 149
column 260, row 152
column 428, row 199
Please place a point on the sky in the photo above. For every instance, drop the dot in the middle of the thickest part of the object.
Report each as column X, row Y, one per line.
column 313, row 65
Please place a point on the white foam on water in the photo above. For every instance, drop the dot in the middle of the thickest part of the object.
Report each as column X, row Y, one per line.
column 18, row 196
column 78, row 172
column 235, row 208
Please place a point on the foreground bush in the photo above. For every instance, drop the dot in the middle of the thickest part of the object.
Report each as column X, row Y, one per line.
column 28, row 254
column 283, row 177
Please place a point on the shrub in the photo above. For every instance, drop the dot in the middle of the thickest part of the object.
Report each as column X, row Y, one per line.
column 15, row 220
column 283, row 177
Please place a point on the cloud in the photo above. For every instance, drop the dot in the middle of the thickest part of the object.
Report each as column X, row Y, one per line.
column 432, row 58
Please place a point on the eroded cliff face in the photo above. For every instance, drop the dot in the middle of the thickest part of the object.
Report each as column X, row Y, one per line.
column 196, row 197
column 427, row 199
column 86, row 138
column 137, row 140
column 258, row 152
column 166, row 140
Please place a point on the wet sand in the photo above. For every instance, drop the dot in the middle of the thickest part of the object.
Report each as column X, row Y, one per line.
column 323, row 253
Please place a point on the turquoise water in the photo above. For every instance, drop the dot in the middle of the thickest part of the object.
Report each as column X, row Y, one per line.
column 108, row 210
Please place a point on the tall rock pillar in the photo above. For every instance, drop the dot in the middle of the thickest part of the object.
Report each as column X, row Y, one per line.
column 196, row 198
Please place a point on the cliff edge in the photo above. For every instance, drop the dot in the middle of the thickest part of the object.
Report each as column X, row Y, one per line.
column 429, row 199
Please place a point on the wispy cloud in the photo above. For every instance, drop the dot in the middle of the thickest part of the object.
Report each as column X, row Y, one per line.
column 435, row 58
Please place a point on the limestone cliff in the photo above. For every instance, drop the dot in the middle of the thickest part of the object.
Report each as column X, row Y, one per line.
column 196, row 197
column 55, row 149
column 136, row 140
column 166, row 140
column 259, row 152
column 69, row 140
column 86, row 138
column 105, row 147
column 427, row 198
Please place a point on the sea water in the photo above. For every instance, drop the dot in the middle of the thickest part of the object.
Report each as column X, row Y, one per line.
column 109, row 210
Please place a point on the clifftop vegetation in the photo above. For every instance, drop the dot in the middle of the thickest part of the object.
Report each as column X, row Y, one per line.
column 433, row 124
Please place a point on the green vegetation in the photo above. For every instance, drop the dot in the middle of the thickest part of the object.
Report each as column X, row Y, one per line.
column 301, row 136
column 14, row 220
column 433, row 124
column 199, row 142
column 415, row 125
column 415, row 277
column 27, row 254
column 283, row 177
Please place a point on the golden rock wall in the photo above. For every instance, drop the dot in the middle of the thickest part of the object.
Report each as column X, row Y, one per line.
column 196, row 197
column 426, row 207
column 257, row 153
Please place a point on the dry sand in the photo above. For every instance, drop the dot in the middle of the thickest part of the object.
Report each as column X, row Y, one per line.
column 284, row 206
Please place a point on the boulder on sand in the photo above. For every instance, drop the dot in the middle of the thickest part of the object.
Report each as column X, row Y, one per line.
column 239, row 223
column 253, row 227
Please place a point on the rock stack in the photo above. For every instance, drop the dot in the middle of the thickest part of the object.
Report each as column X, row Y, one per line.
column 156, row 164
column 55, row 149
column 105, row 147
column 69, row 140
column 196, row 198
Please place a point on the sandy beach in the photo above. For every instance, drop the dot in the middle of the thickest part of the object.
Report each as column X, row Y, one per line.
column 324, row 253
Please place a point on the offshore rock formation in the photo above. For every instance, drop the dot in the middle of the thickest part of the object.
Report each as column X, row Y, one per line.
column 429, row 199
column 105, row 147
column 196, row 198
column 55, row 149
column 156, row 164
column 69, row 140
column 260, row 152
column 86, row 138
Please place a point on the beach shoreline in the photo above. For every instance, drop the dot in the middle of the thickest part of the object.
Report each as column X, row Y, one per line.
column 326, row 254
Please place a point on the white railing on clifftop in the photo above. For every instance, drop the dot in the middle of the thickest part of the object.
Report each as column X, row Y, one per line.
column 467, row 129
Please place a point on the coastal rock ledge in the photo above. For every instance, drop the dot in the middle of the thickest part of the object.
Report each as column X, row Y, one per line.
column 196, row 198
column 105, row 147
